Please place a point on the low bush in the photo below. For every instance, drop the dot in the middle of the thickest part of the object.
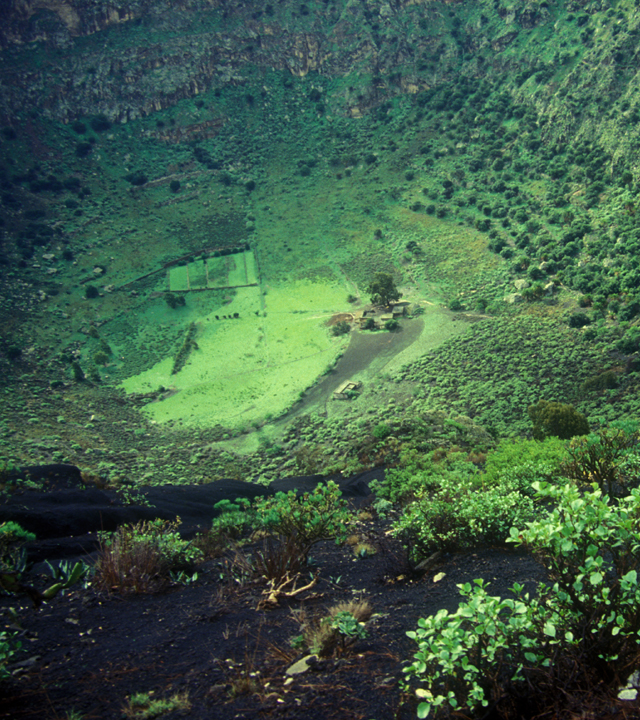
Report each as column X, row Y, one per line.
column 234, row 519
column 455, row 517
column 519, row 463
column 139, row 558
column 554, row 419
column 341, row 328
column 610, row 458
column 8, row 648
column 309, row 518
column 549, row 652
column 419, row 475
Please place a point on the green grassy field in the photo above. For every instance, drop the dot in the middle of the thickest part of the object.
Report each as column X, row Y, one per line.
column 252, row 367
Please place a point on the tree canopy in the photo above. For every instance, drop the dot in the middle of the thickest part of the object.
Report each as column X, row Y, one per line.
column 383, row 289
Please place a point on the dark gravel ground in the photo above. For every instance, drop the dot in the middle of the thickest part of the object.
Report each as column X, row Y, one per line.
column 89, row 653
column 215, row 641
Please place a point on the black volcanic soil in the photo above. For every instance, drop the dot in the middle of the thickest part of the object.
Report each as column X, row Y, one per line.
column 88, row 652
column 213, row 639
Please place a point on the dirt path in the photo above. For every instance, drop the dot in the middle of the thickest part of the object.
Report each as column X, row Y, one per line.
column 365, row 349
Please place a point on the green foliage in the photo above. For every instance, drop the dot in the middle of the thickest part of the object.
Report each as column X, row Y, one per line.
column 174, row 301
column 461, row 655
column 100, row 358
column 454, row 517
column 311, row 517
column 188, row 344
column 348, row 627
column 578, row 320
column 590, row 544
column 582, row 628
column 65, row 576
column 391, row 325
column 520, row 462
column 100, row 123
column 13, row 555
column 8, row 648
column 137, row 178
column 381, row 431
column 556, row 419
column 141, row 706
column 344, row 625
column 234, row 519
column 383, row 290
column 341, row 328
column 610, row 458
column 504, row 364
column 419, row 476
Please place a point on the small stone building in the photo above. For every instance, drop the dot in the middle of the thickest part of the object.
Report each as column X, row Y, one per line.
column 344, row 390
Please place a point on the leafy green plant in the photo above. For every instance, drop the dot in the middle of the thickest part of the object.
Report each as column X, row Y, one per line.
column 341, row 328
column 461, row 655
column 65, row 576
column 524, row 461
column 343, row 625
column 590, row 545
column 233, row 519
column 309, row 518
column 550, row 651
column 556, row 419
column 13, row 555
column 383, row 290
column 608, row 458
column 8, row 648
column 12, row 540
column 454, row 517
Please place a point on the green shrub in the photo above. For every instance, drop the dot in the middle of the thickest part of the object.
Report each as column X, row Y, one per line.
column 137, row 178
column 457, row 517
column 547, row 652
column 419, row 475
column 13, row 556
column 341, row 328
column 557, row 420
column 100, row 123
column 381, row 431
column 100, row 358
column 520, row 462
column 234, row 519
column 609, row 458
column 319, row 515
column 8, row 648
column 174, row 301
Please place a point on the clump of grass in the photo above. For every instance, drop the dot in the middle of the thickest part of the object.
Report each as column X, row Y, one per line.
column 360, row 547
column 142, row 706
column 340, row 628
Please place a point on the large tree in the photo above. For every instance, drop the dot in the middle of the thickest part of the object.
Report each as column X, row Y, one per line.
column 383, row 289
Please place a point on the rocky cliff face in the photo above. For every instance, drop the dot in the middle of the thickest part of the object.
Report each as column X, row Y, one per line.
column 126, row 59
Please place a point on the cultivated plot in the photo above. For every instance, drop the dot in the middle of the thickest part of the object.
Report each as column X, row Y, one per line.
column 210, row 273
column 253, row 365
